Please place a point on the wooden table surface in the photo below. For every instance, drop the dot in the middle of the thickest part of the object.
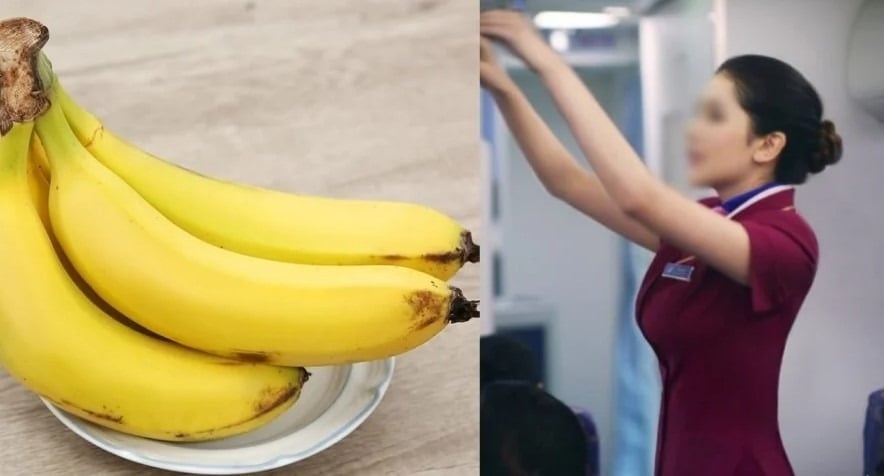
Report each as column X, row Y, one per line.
column 371, row 99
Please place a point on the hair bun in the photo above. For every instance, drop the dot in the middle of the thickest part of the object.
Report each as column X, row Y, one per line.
column 830, row 148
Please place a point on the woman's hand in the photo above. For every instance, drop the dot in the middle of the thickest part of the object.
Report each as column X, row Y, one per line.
column 492, row 75
column 515, row 31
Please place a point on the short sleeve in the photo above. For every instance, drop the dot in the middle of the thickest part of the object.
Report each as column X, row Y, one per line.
column 708, row 202
column 782, row 264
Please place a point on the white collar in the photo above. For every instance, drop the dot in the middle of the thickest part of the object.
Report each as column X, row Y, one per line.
column 761, row 196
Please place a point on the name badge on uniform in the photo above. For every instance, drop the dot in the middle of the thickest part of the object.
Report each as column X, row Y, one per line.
column 681, row 272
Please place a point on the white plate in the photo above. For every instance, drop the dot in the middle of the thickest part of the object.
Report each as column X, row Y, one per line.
column 333, row 403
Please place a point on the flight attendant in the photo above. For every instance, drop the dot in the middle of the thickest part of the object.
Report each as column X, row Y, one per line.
column 730, row 272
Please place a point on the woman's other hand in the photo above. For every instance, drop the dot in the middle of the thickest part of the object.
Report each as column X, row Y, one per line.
column 513, row 29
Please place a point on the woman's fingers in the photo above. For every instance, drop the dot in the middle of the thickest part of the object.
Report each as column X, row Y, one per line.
column 486, row 52
column 491, row 76
column 515, row 31
column 501, row 17
column 494, row 31
column 486, row 72
column 500, row 23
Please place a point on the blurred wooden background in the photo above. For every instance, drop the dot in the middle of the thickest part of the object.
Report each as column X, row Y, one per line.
column 370, row 99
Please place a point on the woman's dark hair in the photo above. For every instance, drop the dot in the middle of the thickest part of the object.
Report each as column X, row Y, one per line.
column 504, row 358
column 526, row 431
column 778, row 98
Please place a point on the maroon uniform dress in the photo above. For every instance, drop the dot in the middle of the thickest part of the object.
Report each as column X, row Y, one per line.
column 720, row 343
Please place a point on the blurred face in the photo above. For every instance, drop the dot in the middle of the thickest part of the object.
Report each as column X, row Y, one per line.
column 720, row 151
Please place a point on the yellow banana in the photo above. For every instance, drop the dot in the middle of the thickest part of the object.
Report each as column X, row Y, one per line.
column 280, row 226
column 224, row 302
column 38, row 180
column 60, row 345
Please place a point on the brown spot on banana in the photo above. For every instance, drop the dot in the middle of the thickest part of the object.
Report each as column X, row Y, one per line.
column 427, row 308
column 96, row 134
column 251, row 357
column 272, row 398
column 231, row 362
column 103, row 415
column 467, row 252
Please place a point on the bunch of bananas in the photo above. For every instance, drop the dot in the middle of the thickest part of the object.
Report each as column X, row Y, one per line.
column 162, row 303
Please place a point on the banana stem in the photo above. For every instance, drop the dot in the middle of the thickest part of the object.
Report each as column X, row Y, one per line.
column 22, row 96
column 470, row 250
column 461, row 308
